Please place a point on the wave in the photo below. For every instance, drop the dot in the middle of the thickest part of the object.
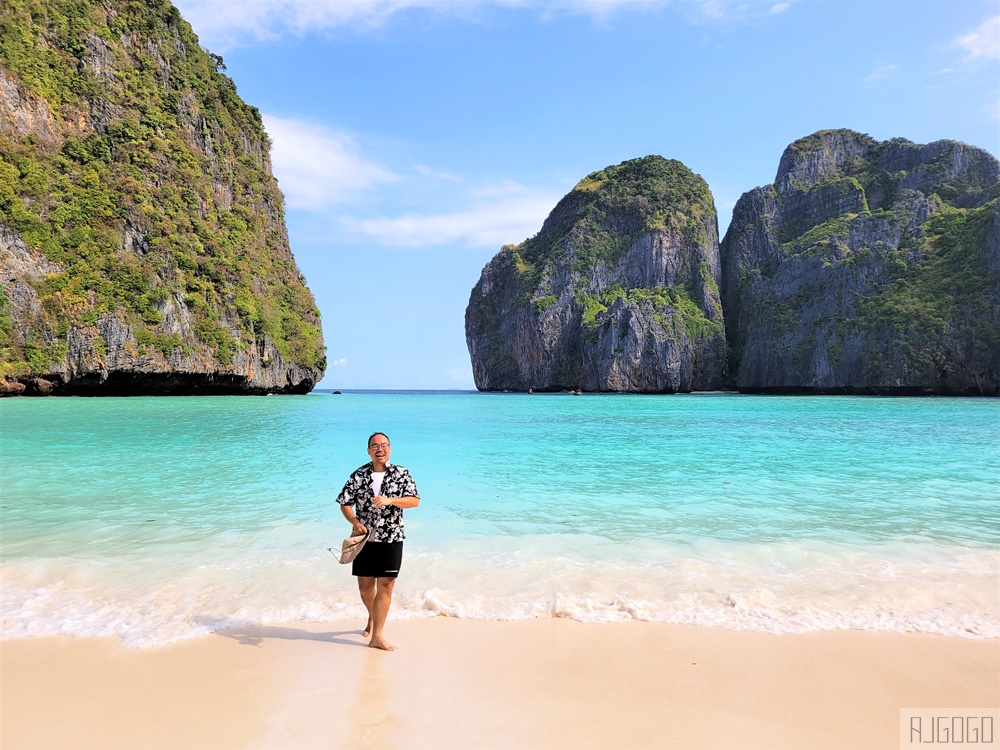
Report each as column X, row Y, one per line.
column 776, row 588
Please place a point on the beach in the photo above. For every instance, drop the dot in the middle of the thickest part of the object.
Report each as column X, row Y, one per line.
column 452, row 683
column 704, row 571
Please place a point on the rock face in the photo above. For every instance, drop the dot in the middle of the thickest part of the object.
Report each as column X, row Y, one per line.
column 867, row 267
column 617, row 292
column 143, row 247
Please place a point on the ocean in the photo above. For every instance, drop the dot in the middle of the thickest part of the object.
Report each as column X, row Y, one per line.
column 157, row 519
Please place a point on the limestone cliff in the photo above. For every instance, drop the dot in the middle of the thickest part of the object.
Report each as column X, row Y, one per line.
column 143, row 247
column 617, row 292
column 867, row 267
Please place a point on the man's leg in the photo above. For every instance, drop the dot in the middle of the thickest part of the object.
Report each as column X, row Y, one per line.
column 380, row 611
column 366, row 586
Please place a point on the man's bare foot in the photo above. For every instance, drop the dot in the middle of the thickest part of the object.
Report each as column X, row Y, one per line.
column 382, row 644
column 368, row 629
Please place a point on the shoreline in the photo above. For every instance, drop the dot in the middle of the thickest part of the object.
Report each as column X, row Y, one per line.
column 540, row 683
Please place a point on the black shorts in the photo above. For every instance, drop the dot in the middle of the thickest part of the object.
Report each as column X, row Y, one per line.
column 378, row 560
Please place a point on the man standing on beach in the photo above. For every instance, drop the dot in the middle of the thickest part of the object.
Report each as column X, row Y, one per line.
column 378, row 491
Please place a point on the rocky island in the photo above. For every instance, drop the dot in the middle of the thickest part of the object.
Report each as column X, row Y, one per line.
column 867, row 267
column 143, row 247
column 619, row 291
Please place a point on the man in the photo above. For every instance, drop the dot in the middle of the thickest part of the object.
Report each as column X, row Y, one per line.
column 378, row 491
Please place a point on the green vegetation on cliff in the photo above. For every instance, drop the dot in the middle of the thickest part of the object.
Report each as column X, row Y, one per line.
column 618, row 291
column 607, row 211
column 934, row 276
column 659, row 300
column 602, row 217
column 879, row 172
column 946, row 284
column 148, row 183
column 867, row 267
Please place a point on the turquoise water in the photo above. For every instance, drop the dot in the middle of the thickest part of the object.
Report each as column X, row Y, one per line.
column 164, row 518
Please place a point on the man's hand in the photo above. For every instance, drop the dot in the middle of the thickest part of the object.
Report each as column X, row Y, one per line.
column 356, row 526
column 381, row 501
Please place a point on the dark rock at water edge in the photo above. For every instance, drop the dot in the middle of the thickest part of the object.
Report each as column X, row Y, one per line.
column 617, row 292
column 867, row 267
column 143, row 247
column 156, row 383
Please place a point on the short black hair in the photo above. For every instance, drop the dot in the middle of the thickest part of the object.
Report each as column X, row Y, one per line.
column 378, row 433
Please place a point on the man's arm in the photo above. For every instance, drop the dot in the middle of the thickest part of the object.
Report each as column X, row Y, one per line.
column 410, row 501
column 405, row 484
column 356, row 526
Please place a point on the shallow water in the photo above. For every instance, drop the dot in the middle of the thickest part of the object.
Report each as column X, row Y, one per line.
column 164, row 518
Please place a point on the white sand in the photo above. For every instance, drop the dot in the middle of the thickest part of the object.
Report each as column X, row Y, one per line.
column 473, row 684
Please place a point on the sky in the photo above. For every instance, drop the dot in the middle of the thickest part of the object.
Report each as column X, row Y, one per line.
column 412, row 139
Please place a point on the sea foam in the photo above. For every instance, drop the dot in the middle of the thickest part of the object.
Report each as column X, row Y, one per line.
column 776, row 589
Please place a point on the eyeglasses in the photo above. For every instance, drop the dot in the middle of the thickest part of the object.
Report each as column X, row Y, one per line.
column 375, row 446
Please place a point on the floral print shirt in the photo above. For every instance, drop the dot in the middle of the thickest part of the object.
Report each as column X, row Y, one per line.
column 386, row 524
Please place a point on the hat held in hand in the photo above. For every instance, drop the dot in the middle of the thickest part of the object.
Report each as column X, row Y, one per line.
column 351, row 546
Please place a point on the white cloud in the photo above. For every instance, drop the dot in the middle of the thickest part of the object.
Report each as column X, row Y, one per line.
column 342, row 362
column 729, row 11
column 317, row 166
column 226, row 22
column 433, row 173
column 222, row 24
column 983, row 41
column 499, row 189
column 881, row 73
column 490, row 223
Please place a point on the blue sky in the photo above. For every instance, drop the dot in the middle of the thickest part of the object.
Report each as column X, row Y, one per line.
column 413, row 138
